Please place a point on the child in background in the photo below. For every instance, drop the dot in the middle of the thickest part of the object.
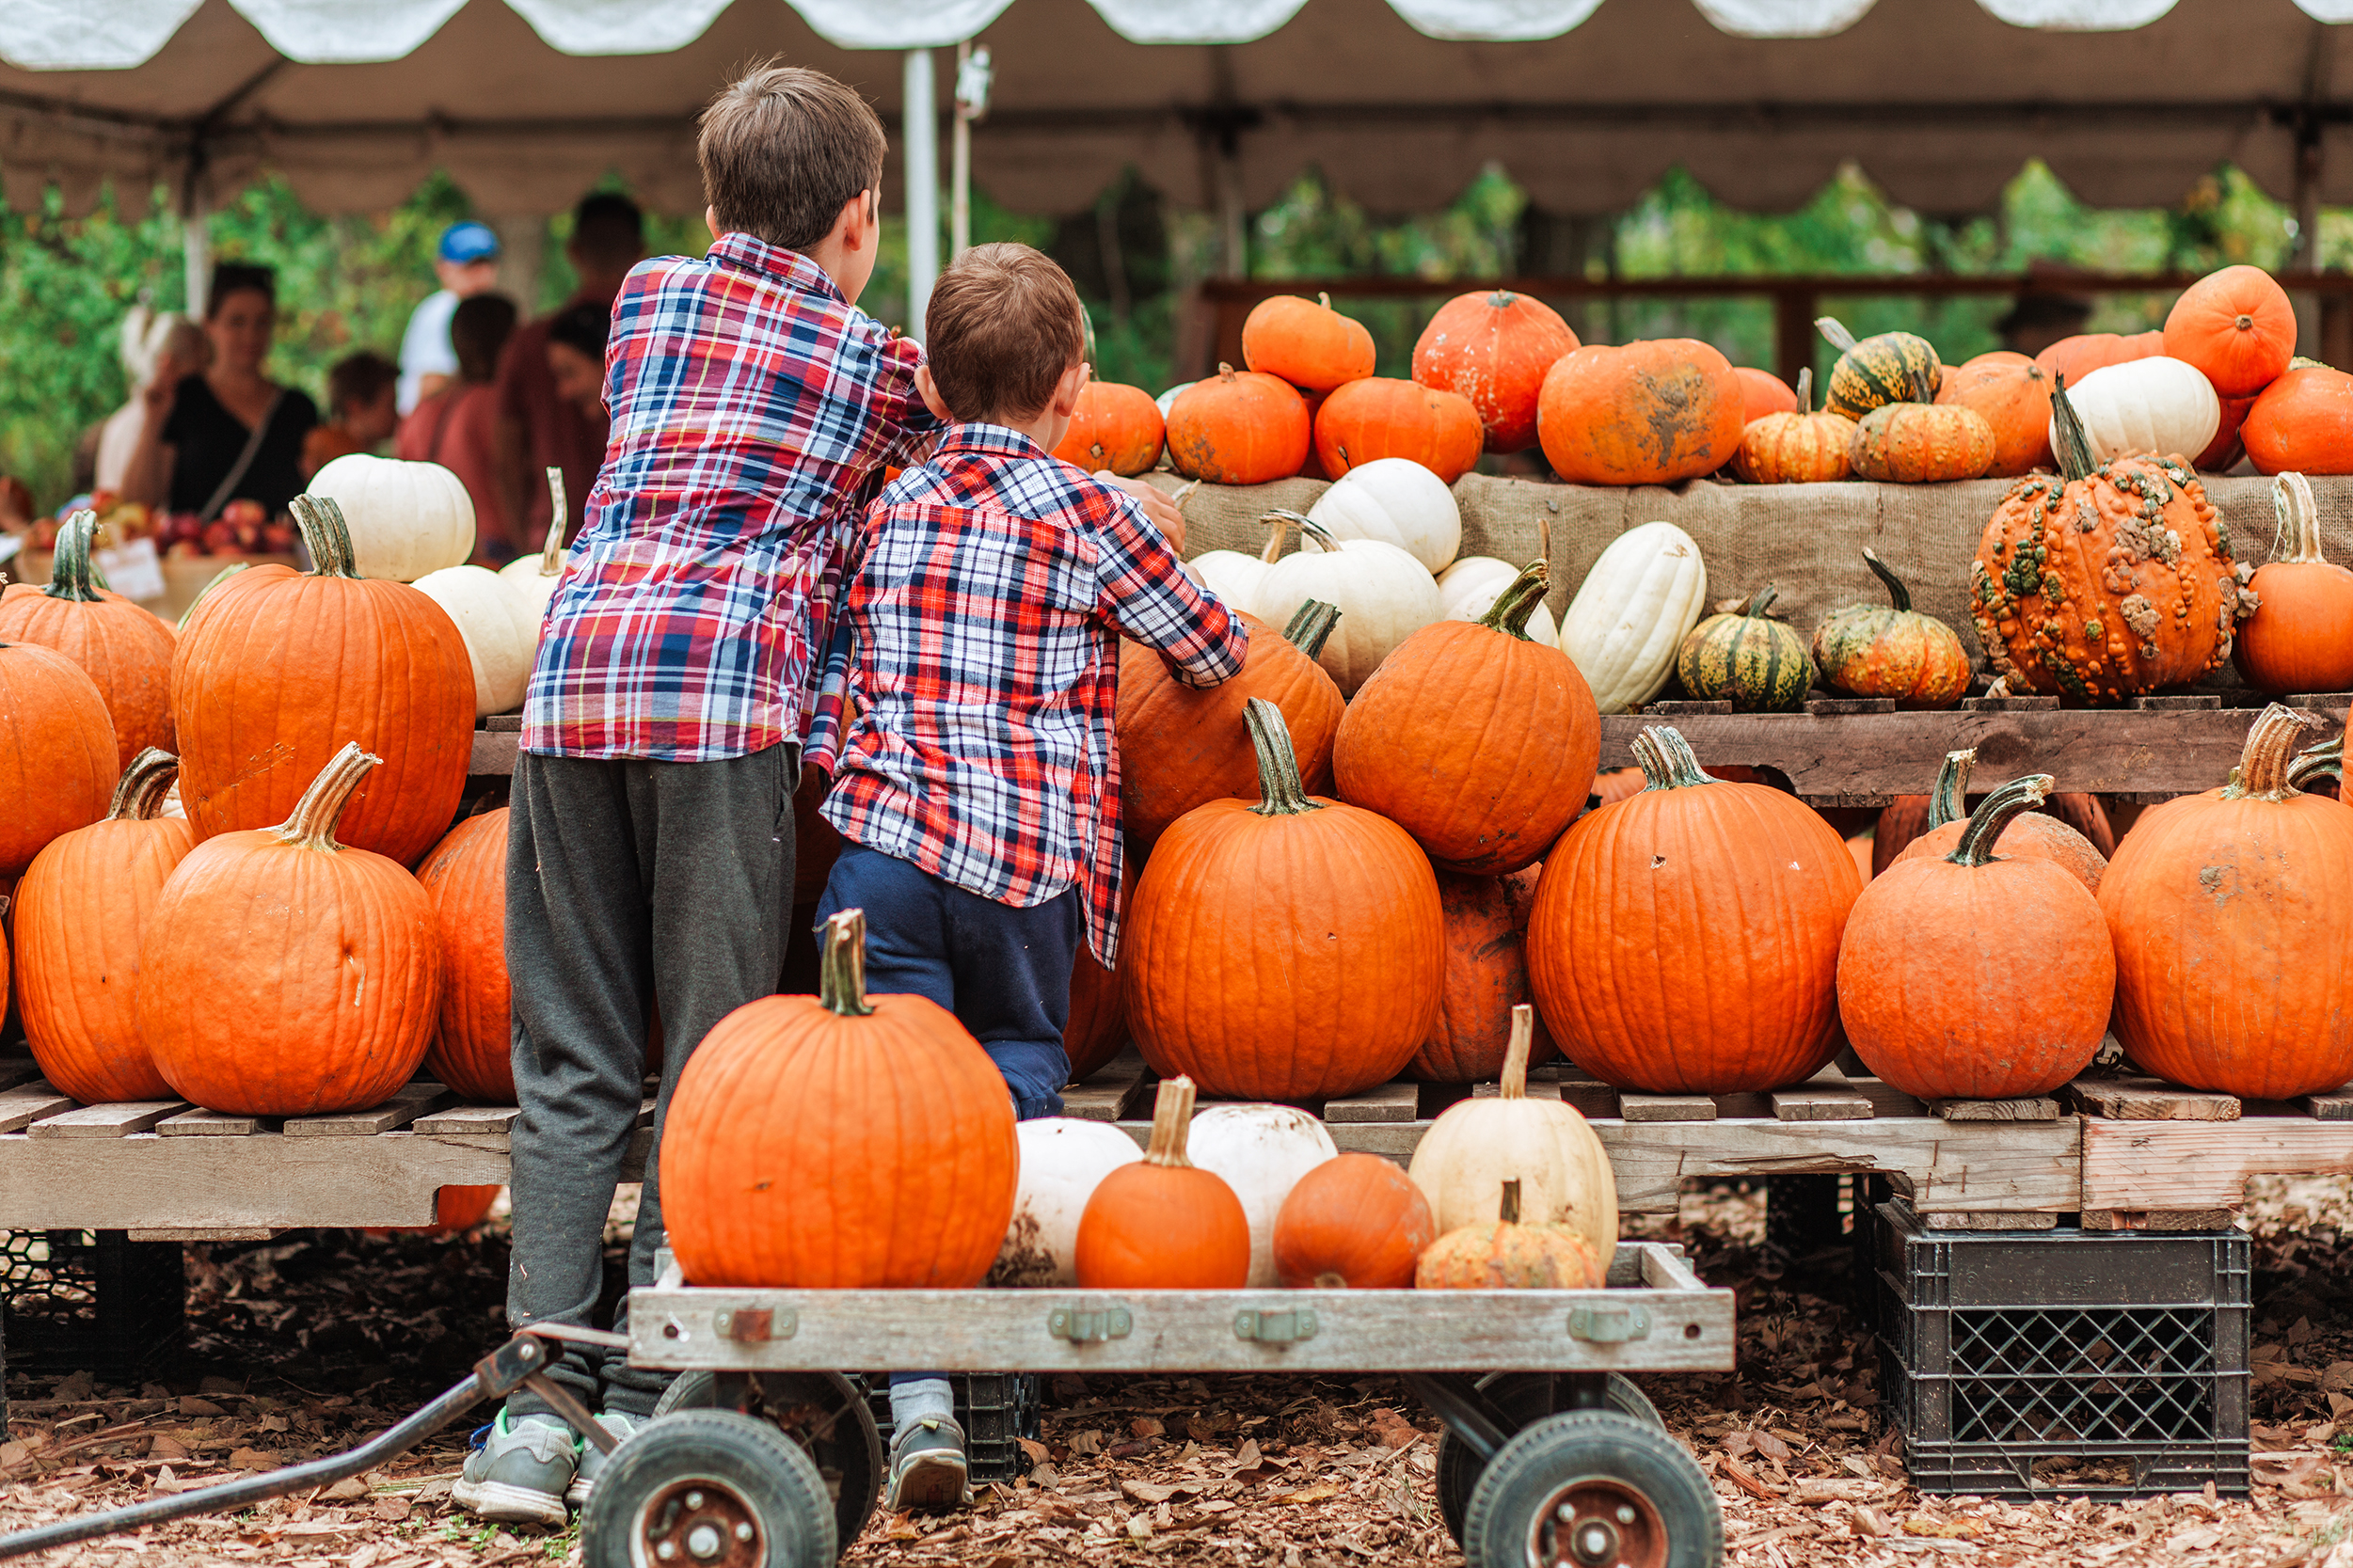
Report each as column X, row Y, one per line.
column 576, row 356
column 362, row 410
column 457, row 425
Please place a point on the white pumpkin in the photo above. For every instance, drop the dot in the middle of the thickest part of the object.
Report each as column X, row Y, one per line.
column 1631, row 613
column 1236, row 578
column 2161, row 405
column 405, row 520
column 1468, row 588
column 1475, row 1145
column 534, row 578
column 1398, row 501
column 501, row 636
column 1261, row 1151
column 1063, row 1160
column 1169, row 397
column 1383, row 597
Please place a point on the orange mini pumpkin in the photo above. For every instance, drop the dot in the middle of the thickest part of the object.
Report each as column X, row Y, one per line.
column 1921, row 441
column 2301, row 638
column 1649, row 413
column 58, row 758
column 1117, row 427
column 2302, row 421
column 1381, row 416
column 2237, row 325
column 1494, row 348
column 1357, row 1223
column 1306, row 342
column 1163, row 1223
column 1891, row 651
column 1238, row 428
column 1509, row 1255
column 473, row 1044
column 1799, row 446
column 124, row 647
column 2012, row 394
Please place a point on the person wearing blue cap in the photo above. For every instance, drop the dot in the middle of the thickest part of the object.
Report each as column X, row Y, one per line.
column 466, row 262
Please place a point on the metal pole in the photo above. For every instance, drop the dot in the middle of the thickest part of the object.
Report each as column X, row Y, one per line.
column 921, row 128
column 959, row 212
column 195, row 240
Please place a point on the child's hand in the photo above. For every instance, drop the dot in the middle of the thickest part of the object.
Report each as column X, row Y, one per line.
column 1156, row 504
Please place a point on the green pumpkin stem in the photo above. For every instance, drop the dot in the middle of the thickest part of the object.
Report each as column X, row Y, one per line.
column 1510, row 613
column 1896, row 590
column 1281, row 791
column 1507, row 1209
column 326, row 536
column 1513, row 1084
column 1806, row 391
column 1171, row 1124
column 2298, row 538
column 1667, row 760
column 1996, row 813
column 2265, row 770
column 2068, row 440
column 2315, row 763
column 841, row 964
column 1312, row 626
column 1836, row 330
column 72, row 575
column 559, row 518
column 311, row 825
column 1761, row 600
column 140, row 793
column 1949, row 800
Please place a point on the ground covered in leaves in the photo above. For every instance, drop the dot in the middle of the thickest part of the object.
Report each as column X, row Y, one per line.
column 310, row 1343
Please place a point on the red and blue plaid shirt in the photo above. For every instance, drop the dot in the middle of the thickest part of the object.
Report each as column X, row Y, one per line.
column 986, row 618
column 753, row 411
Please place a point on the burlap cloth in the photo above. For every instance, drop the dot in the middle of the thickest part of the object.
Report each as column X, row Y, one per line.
column 1807, row 539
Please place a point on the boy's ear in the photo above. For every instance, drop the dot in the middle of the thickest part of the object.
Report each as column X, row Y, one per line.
column 1067, row 389
column 929, row 392
column 859, row 222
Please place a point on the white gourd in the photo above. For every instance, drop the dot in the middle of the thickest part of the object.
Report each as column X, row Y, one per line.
column 1398, row 501
column 1383, row 597
column 1633, row 612
column 1237, row 578
column 501, row 634
column 2160, row 406
column 405, row 520
column 1261, row 1151
column 1164, row 399
column 536, row 576
column 1063, row 1160
column 1468, row 588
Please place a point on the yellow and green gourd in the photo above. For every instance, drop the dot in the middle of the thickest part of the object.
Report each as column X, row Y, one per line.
column 1891, row 650
column 1887, row 367
column 1757, row 665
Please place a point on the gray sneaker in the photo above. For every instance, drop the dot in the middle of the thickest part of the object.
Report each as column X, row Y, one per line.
column 928, row 1467
column 517, row 1475
column 593, row 1457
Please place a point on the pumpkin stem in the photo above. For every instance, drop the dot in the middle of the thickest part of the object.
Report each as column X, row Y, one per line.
column 1308, row 529
column 140, row 793
column 1994, row 813
column 1510, row 613
column 1667, row 760
column 1507, row 1210
column 205, row 592
column 1171, row 1123
column 1896, row 590
column 1806, row 391
column 1949, row 800
column 1502, row 299
column 326, row 536
column 1312, row 626
column 841, row 964
column 1283, row 519
column 559, row 518
column 1835, row 329
column 2315, row 763
column 72, row 576
column 1280, row 792
column 2298, row 534
column 1514, row 1083
column 1323, row 298
column 2264, row 769
column 2068, row 440
column 1761, row 600
column 311, row 826
column 1225, row 372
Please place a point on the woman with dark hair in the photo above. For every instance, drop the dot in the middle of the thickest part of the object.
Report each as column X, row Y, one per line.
column 576, row 356
column 458, row 425
column 228, row 433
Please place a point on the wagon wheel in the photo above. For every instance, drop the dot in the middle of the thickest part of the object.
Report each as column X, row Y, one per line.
column 708, row 1489
column 1592, row 1489
column 821, row 1410
column 1524, row 1397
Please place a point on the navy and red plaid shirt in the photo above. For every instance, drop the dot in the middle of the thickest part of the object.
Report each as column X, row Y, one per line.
column 753, row 411
column 986, row 618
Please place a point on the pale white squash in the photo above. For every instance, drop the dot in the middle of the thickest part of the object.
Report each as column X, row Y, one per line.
column 1398, row 501
column 535, row 578
column 1063, row 1160
column 1236, row 578
column 1261, row 1151
column 1383, row 597
column 501, row 636
column 405, row 520
column 1475, row 1145
column 1169, row 397
column 1631, row 613
column 1468, row 588
column 2160, row 406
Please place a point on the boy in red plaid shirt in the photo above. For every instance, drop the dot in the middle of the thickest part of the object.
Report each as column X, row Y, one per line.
column 978, row 786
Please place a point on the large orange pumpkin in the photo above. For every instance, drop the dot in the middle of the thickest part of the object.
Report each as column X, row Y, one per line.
column 58, row 758
column 1352, row 1223
column 2237, row 325
column 839, row 1142
column 1929, row 943
column 1098, row 1020
column 2301, row 638
column 1306, row 342
column 1282, row 949
column 1686, row 941
column 1494, row 349
column 80, row 914
column 2012, row 394
column 1238, row 428
column 2079, row 356
column 286, row 975
column 1475, row 738
column 2302, row 421
column 124, row 647
column 1486, row 976
column 2061, row 829
column 1649, row 413
column 1117, row 427
column 2229, row 911
column 472, row 1048
column 1381, row 416
column 278, row 670
column 1163, row 1223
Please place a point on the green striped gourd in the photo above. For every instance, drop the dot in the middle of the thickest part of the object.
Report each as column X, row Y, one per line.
column 1887, row 367
column 1757, row 665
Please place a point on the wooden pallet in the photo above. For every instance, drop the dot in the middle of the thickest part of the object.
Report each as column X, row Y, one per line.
column 2160, row 1158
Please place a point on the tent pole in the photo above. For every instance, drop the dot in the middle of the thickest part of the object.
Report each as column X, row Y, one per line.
column 921, row 129
column 195, row 240
column 959, row 181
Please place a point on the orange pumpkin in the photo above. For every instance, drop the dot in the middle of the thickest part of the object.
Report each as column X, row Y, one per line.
column 1649, row 413
column 1763, row 392
column 2012, row 394
column 286, row 975
column 2082, row 842
column 58, row 758
column 80, row 913
column 1494, row 349
column 1306, row 342
column 472, row 1048
column 1486, row 976
column 278, row 670
column 2301, row 638
column 2079, row 356
column 2302, row 421
column 1098, row 1020
column 1797, row 447
column 1380, row 417
column 1922, row 442
column 1282, row 949
column 124, row 647
column 1238, row 428
column 838, row 1141
column 1311, row 466
column 1163, row 1223
column 1354, row 1223
column 1476, row 739
column 1509, row 1255
column 1117, row 427
column 2237, row 325
column 2225, row 450
column 1693, row 875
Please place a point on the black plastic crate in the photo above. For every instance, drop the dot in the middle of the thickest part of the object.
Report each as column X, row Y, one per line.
column 2065, row 1362
column 993, row 1408
column 90, row 1301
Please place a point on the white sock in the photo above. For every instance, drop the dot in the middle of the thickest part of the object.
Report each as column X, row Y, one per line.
column 912, row 1402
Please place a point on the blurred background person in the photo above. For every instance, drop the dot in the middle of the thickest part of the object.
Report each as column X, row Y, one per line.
column 230, row 433
column 457, row 425
column 360, row 407
column 156, row 345
column 467, row 263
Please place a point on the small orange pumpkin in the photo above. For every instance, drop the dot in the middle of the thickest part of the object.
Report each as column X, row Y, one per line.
column 1117, row 427
column 1509, row 1255
column 1355, row 1223
column 1238, row 428
column 1649, row 413
column 1485, row 977
column 2012, row 394
column 2079, row 356
column 1098, row 1020
column 2301, row 638
column 473, row 1045
column 1763, row 392
column 1378, row 416
column 2302, row 421
column 2237, row 325
column 1306, row 342
column 1494, row 349
column 1799, row 446
column 1163, row 1223
column 1922, row 442
column 2225, row 450
column 1893, row 651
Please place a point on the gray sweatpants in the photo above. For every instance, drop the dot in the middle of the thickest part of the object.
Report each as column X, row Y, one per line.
column 626, row 882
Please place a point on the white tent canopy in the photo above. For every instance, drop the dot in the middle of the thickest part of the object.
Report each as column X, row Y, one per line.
column 1586, row 103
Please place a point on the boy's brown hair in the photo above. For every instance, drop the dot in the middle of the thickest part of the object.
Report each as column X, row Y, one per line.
column 358, row 380
column 783, row 148
column 1003, row 327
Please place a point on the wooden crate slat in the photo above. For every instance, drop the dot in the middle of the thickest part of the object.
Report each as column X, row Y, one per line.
column 116, row 1121
column 17, row 1071
column 208, row 1124
column 2146, row 1100
column 1395, row 1102
column 21, row 1107
column 1825, row 1097
column 1667, row 1107
column 403, row 1108
column 146, row 1182
column 473, row 1119
column 1536, row 1090
column 2043, row 1108
column 2336, row 1105
column 1114, row 1090
column 2172, row 1167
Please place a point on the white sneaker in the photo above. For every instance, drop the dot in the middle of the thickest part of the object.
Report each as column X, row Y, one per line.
column 592, row 1459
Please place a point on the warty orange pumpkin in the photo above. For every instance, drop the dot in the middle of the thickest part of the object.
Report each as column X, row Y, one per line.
column 1797, row 447
column 1306, row 342
column 2237, row 325
column 2300, row 636
column 1649, row 413
column 1921, row 441
column 2012, row 394
column 1117, row 427
column 1486, row 976
column 1238, row 428
column 57, row 757
column 124, row 647
column 1376, row 417
column 465, row 874
column 1164, row 1224
column 1510, row 1255
column 1354, row 1223
column 1494, row 348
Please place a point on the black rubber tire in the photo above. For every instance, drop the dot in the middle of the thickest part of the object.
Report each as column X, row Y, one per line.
column 743, row 1465
column 1666, row 1499
column 845, row 1444
column 1521, row 1397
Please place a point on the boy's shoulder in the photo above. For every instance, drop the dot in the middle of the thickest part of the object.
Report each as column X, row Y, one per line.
column 1038, row 486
